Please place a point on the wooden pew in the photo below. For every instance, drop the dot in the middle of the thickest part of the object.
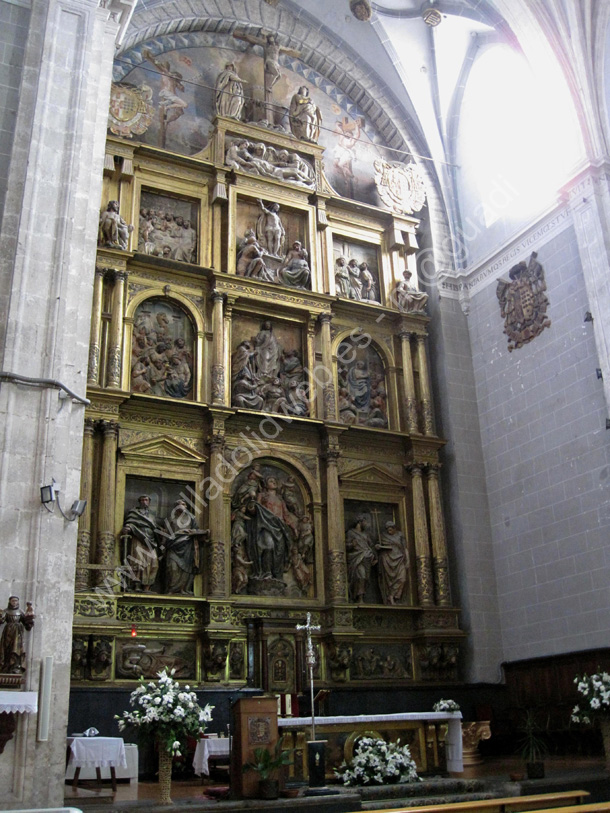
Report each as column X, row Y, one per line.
column 564, row 801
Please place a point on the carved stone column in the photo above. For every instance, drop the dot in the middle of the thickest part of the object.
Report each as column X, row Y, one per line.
column 105, row 553
column 218, row 363
column 438, row 538
column 227, row 330
column 311, row 363
column 408, row 383
column 425, row 588
column 83, row 545
column 326, row 377
column 424, row 384
column 337, row 575
column 115, row 337
column 218, row 554
column 95, row 338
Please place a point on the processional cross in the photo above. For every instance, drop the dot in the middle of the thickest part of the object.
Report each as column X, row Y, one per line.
column 311, row 662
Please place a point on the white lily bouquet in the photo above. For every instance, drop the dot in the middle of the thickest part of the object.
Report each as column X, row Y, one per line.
column 165, row 712
column 445, row 705
column 595, row 690
column 377, row 762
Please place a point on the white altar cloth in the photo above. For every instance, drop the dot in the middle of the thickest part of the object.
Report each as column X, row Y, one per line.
column 453, row 743
column 97, row 752
column 21, row 702
column 130, row 772
column 206, row 748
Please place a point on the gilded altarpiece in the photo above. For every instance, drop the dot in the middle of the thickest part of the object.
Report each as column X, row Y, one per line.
column 260, row 440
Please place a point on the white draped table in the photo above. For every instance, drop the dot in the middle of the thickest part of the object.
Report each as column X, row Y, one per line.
column 18, row 702
column 209, row 747
column 98, row 753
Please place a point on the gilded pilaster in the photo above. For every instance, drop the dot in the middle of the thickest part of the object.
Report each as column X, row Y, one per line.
column 311, row 363
column 227, row 330
column 105, row 550
column 422, row 551
column 424, row 383
column 83, row 546
column 438, row 538
column 218, row 363
column 327, row 378
column 95, row 339
column 337, row 572
column 115, row 343
column 408, row 383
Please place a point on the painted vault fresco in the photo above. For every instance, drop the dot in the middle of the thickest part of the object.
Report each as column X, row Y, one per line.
column 176, row 75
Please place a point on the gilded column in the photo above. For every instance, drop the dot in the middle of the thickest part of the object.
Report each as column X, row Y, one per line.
column 95, row 339
column 227, row 329
column 424, row 383
column 409, row 383
column 337, row 575
column 325, row 376
column 83, row 546
column 218, row 363
column 115, row 338
column 422, row 550
column 438, row 538
column 105, row 552
column 218, row 551
column 311, row 363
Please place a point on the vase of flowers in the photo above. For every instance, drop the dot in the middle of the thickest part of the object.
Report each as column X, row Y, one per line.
column 449, row 706
column 166, row 714
column 377, row 762
column 595, row 691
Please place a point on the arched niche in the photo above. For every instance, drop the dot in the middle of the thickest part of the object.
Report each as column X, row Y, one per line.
column 363, row 381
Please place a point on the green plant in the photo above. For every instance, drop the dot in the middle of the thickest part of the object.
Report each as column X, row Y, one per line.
column 531, row 747
column 377, row 762
column 266, row 762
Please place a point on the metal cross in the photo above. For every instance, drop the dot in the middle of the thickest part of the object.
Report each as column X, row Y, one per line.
column 311, row 662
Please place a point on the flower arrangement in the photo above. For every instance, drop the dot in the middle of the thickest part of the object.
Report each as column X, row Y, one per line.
column 445, row 705
column 595, row 690
column 377, row 762
column 166, row 712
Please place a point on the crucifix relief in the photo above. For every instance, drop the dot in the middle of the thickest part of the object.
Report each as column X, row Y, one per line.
column 272, row 51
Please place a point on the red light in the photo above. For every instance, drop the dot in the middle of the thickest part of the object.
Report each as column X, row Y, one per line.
column 134, row 632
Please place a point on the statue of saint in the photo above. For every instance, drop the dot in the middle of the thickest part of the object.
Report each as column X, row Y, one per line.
column 393, row 563
column 368, row 283
column 294, row 270
column 355, row 283
column 181, row 541
column 229, row 92
column 12, row 653
column 305, row 117
column 114, row 231
column 270, row 229
column 267, row 352
column 342, row 283
column 360, row 558
column 140, row 527
column 407, row 297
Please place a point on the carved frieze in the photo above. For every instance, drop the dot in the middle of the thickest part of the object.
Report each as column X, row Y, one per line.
column 95, row 607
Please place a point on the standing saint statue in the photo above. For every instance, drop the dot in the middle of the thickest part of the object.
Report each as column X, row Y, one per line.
column 12, row 653
column 360, row 558
column 393, row 563
column 183, row 557
column 229, row 92
column 305, row 116
column 140, row 527
column 270, row 230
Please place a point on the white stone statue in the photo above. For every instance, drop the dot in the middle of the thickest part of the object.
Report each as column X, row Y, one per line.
column 407, row 297
column 113, row 230
column 305, row 116
column 229, row 92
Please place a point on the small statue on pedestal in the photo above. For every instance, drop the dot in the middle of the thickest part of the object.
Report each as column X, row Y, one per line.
column 114, row 231
column 407, row 297
column 12, row 653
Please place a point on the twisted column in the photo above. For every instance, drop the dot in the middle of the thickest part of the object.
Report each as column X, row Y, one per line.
column 105, row 552
column 425, row 588
column 438, row 538
column 115, row 337
column 408, row 383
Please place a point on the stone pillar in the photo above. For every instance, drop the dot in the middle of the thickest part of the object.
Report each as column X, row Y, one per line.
column 408, row 383
column 218, row 361
column 424, row 385
column 227, row 331
column 93, row 371
column 425, row 588
column 325, row 376
column 310, row 364
column 106, row 543
column 337, row 575
column 438, row 538
column 219, row 552
column 115, row 334
column 84, row 521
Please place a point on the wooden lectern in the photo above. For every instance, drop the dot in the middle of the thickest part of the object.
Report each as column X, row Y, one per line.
column 254, row 725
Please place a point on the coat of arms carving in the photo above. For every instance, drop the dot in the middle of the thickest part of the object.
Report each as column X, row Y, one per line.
column 131, row 111
column 401, row 187
column 523, row 302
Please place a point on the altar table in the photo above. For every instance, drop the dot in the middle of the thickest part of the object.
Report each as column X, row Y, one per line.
column 98, row 753
column 130, row 772
column 434, row 738
column 209, row 747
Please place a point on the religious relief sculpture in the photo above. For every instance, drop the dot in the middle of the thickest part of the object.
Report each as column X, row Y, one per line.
column 354, row 280
column 12, row 651
column 181, row 542
column 113, row 230
column 384, row 662
column 270, row 231
column 257, row 158
column 393, row 563
column 523, row 303
column 134, row 661
column 362, row 386
column 401, row 187
column 360, row 558
column 271, row 534
column 408, row 298
column 131, row 112
column 161, row 350
column 140, row 544
column 266, row 377
column 294, row 270
column 166, row 227
column 305, row 116
column 229, row 92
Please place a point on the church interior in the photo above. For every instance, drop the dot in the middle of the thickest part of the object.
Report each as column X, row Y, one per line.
column 304, row 313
